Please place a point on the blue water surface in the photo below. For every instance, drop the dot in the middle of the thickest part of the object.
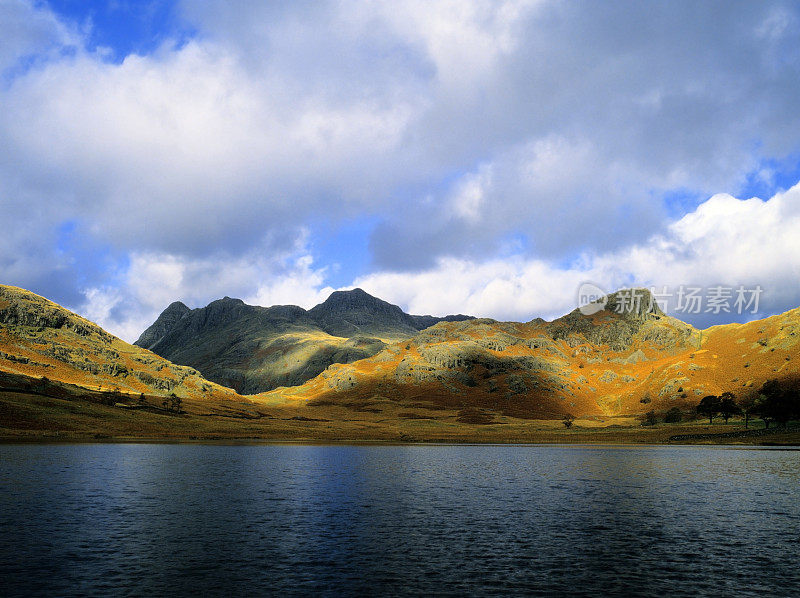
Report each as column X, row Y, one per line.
column 205, row 520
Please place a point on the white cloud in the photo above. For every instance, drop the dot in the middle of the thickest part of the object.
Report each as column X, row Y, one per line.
column 99, row 303
column 275, row 115
column 467, row 202
column 302, row 285
column 563, row 194
column 153, row 281
column 725, row 241
column 31, row 32
column 492, row 141
column 464, row 40
column 204, row 154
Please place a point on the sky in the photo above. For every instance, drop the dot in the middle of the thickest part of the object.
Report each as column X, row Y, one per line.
column 469, row 156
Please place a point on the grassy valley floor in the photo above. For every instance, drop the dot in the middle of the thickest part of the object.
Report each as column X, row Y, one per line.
column 26, row 417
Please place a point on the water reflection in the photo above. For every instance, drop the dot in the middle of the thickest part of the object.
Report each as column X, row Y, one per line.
column 413, row 520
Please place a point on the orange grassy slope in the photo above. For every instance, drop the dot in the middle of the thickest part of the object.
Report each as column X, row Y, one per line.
column 39, row 338
column 602, row 364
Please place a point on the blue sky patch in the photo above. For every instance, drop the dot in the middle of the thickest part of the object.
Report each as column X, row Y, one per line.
column 342, row 248
column 125, row 27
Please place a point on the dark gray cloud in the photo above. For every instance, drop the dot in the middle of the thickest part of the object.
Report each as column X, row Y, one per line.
column 635, row 100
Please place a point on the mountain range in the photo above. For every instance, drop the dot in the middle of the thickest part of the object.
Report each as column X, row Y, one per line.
column 358, row 361
column 254, row 349
column 603, row 364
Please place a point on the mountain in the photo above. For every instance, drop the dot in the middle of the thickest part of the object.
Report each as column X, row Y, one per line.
column 356, row 312
column 40, row 340
column 165, row 322
column 254, row 349
column 603, row 364
column 463, row 380
column 351, row 313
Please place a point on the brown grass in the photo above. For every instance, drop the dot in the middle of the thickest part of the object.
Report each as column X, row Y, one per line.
column 27, row 417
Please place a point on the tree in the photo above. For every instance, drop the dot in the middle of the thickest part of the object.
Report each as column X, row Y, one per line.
column 673, row 416
column 747, row 405
column 763, row 410
column 567, row 420
column 142, row 399
column 709, row 406
column 779, row 401
column 649, row 418
column 728, row 406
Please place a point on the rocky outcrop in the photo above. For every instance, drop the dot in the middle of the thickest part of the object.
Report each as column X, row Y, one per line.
column 22, row 308
column 629, row 316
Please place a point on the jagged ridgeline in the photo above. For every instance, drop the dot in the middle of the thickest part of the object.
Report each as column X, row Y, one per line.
column 398, row 365
column 40, row 339
column 254, row 349
column 625, row 359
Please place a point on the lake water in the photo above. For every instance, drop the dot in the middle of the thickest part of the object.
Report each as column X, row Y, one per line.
column 160, row 519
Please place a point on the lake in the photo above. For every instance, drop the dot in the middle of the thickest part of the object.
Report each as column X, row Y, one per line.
column 172, row 519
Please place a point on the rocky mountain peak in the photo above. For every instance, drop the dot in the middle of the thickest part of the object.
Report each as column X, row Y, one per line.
column 176, row 308
column 226, row 302
column 354, row 298
column 622, row 315
column 637, row 303
column 165, row 322
column 347, row 313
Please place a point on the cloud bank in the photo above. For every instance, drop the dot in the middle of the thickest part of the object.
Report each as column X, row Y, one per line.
column 505, row 151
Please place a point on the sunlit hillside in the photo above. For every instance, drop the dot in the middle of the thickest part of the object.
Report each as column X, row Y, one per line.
column 41, row 339
column 606, row 364
column 458, row 380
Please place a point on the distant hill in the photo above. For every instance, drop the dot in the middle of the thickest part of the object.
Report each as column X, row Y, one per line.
column 254, row 349
column 58, row 371
column 604, row 364
column 41, row 340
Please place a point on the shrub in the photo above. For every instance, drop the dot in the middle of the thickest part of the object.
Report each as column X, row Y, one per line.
column 175, row 403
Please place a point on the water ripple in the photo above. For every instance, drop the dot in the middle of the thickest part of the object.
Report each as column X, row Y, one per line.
column 144, row 520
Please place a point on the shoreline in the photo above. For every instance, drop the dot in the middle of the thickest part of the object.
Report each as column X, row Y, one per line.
column 26, row 419
column 701, row 440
